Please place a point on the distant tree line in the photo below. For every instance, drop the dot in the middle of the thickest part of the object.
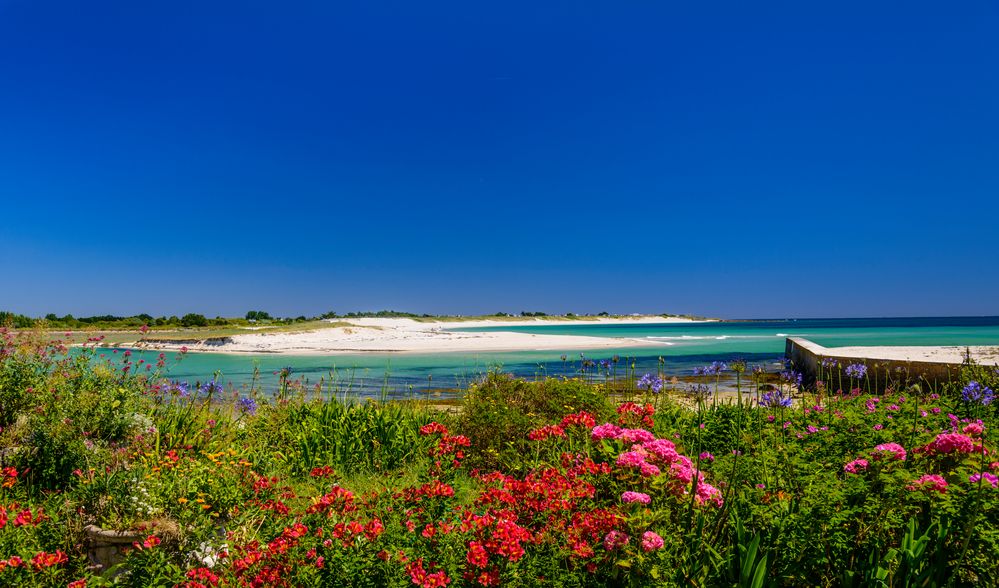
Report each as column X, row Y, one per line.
column 112, row 322
column 190, row 320
column 382, row 314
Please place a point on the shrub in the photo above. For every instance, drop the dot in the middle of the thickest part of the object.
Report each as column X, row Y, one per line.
column 194, row 320
column 498, row 413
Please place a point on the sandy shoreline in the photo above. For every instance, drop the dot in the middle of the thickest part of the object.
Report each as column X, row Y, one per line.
column 403, row 335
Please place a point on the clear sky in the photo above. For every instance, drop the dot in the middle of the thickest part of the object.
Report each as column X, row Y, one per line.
column 730, row 159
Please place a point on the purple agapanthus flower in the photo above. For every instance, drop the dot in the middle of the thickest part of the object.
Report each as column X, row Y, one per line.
column 715, row 368
column 699, row 390
column 856, row 370
column 791, row 377
column 180, row 388
column 775, row 399
column 246, row 405
column 651, row 383
column 210, row 387
column 977, row 393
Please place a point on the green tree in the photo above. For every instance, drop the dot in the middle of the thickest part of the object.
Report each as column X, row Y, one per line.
column 193, row 320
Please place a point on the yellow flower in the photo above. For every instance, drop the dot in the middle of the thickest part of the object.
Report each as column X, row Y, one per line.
column 182, row 500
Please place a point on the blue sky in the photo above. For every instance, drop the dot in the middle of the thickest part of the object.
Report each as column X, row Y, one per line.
column 740, row 160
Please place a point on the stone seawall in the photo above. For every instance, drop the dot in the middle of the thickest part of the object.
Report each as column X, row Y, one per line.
column 806, row 356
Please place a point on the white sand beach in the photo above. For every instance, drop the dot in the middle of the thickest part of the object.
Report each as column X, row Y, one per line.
column 404, row 335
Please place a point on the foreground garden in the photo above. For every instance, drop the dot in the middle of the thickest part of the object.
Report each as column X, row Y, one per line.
column 112, row 474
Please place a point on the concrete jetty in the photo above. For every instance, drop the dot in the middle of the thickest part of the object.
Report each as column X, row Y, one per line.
column 888, row 365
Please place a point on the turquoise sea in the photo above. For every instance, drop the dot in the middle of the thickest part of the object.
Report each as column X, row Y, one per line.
column 682, row 347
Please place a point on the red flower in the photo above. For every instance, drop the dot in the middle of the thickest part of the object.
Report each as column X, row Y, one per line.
column 150, row 542
column 422, row 577
column 546, row 432
column 204, row 576
column 46, row 560
column 8, row 478
column 433, row 428
column 477, row 555
column 323, row 472
column 489, row 578
column 373, row 529
column 24, row 519
column 579, row 419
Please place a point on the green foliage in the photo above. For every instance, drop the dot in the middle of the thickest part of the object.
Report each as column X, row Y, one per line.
column 499, row 412
column 350, row 437
column 73, row 425
column 193, row 320
column 99, row 444
column 17, row 321
column 22, row 375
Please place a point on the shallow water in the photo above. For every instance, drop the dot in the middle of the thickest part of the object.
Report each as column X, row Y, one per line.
column 682, row 347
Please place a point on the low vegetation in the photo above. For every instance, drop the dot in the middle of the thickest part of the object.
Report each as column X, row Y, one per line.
column 558, row 482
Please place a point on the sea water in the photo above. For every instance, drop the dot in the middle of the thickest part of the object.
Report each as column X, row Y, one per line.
column 677, row 347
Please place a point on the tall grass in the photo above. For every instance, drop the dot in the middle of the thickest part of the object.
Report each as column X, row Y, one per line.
column 351, row 436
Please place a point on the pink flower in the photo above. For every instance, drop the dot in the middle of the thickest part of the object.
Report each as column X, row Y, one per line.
column 990, row 478
column 651, row 541
column 605, row 431
column 635, row 436
column 615, row 539
column 856, row 466
column 630, row 459
column 662, row 449
column 892, row 450
column 629, row 497
column 705, row 456
column 706, row 493
column 929, row 483
column 973, row 429
column 683, row 471
column 649, row 470
column 952, row 442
